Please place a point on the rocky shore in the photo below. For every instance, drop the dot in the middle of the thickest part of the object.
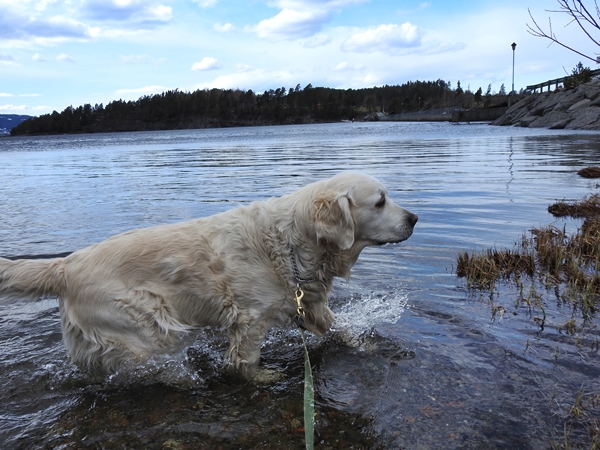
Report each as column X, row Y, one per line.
column 575, row 109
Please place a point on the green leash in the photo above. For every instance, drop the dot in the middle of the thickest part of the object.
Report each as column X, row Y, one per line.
column 309, row 387
column 309, row 400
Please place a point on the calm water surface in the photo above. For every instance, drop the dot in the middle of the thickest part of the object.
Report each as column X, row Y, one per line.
column 474, row 382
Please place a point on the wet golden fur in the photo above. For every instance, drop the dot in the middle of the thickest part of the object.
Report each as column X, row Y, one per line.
column 133, row 294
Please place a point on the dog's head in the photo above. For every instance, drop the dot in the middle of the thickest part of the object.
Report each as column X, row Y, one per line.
column 354, row 210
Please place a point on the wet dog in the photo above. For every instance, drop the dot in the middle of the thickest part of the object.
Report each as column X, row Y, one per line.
column 133, row 294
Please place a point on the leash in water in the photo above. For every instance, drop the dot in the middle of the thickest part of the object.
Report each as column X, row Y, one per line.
column 309, row 388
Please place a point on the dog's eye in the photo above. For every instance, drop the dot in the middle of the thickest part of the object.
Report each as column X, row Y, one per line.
column 380, row 203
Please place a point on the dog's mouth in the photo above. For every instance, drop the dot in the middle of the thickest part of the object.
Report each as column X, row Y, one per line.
column 394, row 241
column 381, row 243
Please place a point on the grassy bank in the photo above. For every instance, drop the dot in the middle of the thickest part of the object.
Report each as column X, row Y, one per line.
column 567, row 266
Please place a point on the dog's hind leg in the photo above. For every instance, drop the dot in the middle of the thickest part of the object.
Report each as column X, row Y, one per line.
column 129, row 328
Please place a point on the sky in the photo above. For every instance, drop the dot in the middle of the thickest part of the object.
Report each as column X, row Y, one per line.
column 60, row 53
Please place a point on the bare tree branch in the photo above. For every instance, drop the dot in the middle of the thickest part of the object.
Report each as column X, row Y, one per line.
column 587, row 17
column 579, row 13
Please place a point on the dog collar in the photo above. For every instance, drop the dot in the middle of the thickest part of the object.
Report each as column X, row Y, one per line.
column 297, row 277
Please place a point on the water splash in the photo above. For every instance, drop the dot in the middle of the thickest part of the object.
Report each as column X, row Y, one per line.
column 364, row 311
column 170, row 370
column 195, row 358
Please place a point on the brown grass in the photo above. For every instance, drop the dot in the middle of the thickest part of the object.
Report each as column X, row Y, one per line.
column 583, row 414
column 589, row 172
column 547, row 254
column 484, row 270
column 588, row 207
column 568, row 265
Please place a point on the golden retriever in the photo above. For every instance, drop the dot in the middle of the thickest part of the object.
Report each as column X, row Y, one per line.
column 133, row 294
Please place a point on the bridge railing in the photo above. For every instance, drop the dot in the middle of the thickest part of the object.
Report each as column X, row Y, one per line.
column 534, row 87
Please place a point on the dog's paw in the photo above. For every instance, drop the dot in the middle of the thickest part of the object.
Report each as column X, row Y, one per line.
column 260, row 375
column 360, row 342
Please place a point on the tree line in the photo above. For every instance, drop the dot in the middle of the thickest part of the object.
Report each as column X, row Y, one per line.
column 209, row 108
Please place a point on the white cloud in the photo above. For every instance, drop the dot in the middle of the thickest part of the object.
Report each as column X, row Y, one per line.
column 384, row 37
column 5, row 94
column 61, row 26
column 223, row 28
column 52, row 22
column 207, row 63
column 161, row 13
column 291, row 23
column 13, row 108
column 38, row 58
column 19, row 25
column 345, row 67
column 300, row 19
column 63, row 57
column 134, row 11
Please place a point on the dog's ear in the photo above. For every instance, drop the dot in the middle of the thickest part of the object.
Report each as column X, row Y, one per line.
column 333, row 221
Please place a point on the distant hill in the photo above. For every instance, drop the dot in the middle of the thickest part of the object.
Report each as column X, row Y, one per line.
column 9, row 121
column 176, row 110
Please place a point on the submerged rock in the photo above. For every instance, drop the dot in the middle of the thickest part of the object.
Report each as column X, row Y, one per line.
column 576, row 109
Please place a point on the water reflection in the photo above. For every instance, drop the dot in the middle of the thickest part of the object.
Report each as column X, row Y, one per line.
column 510, row 166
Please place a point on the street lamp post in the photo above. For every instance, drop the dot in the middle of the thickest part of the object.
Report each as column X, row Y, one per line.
column 512, row 92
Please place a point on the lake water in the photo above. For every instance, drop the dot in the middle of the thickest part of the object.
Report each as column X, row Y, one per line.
column 475, row 381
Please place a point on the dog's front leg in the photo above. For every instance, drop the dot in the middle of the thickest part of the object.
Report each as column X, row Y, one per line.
column 245, row 340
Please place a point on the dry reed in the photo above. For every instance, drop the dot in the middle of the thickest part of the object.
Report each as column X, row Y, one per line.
column 589, row 172
column 567, row 264
column 588, row 207
column 570, row 266
column 548, row 254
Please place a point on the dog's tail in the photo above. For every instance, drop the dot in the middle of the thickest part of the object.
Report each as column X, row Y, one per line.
column 30, row 278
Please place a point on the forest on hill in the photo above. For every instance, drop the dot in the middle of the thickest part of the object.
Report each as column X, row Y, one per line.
column 211, row 108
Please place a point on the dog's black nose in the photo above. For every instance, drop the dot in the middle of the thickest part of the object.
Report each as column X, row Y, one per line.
column 413, row 218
